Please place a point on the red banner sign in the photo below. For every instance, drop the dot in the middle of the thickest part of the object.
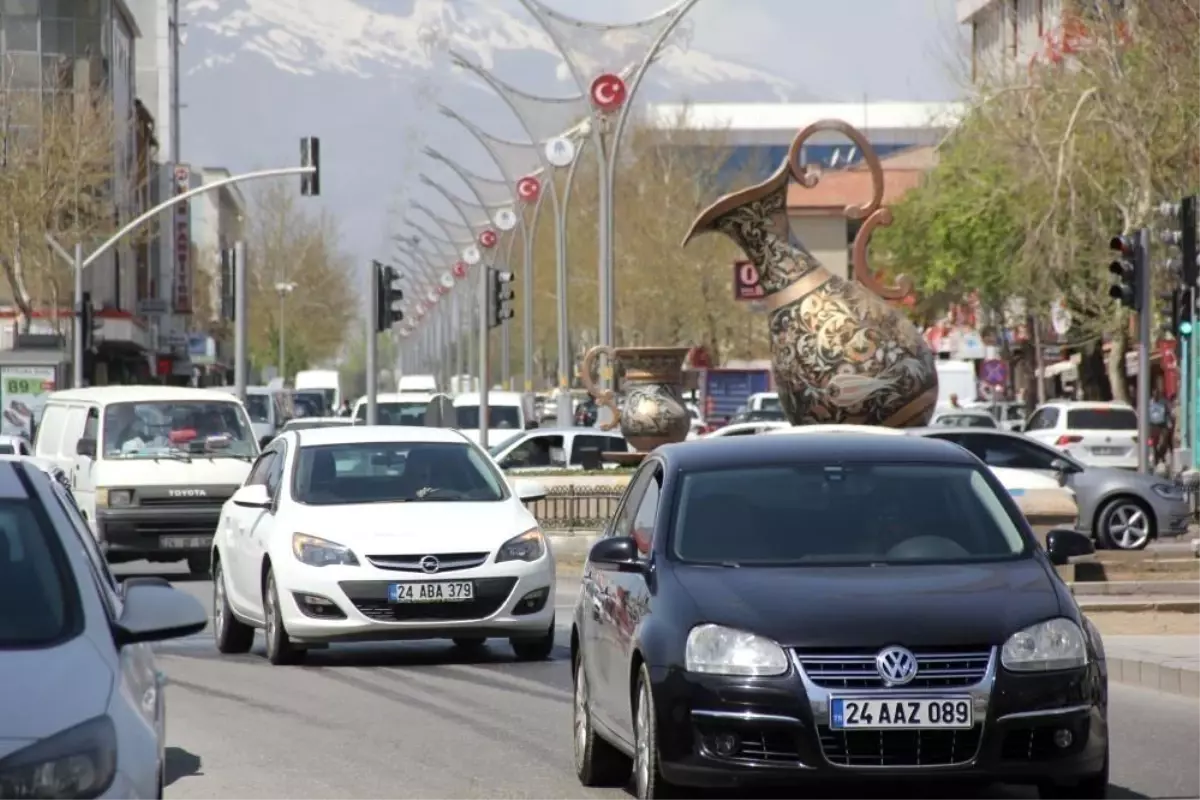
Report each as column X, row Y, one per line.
column 746, row 285
column 183, row 243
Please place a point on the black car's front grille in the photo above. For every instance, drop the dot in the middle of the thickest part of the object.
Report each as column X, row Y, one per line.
column 936, row 668
column 371, row 598
column 1037, row 742
column 446, row 562
column 929, row 748
column 765, row 745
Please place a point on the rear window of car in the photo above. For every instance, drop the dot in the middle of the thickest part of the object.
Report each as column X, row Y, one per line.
column 1102, row 419
column 845, row 513
column 39, row 604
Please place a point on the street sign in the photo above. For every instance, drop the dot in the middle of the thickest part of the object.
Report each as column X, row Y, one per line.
column 488, row 239
column 560, row 151
column 994, row 372
column 505, row 219
column 151, row 307
column 528, row 189
column 459, row 269
column 472, row 255
column 1060, row 317
column 746, row 285
column 608, row 92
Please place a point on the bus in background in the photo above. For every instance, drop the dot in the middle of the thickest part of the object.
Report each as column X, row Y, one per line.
column 324, row 383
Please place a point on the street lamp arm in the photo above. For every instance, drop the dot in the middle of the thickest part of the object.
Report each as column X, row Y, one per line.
column 457, row 203
column 473, row 177
column 449, row 248
column 480, row 204
column 179, row 198
column 444, row 225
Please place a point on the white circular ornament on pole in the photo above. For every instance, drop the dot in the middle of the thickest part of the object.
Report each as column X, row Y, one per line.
column 488, row 239
column 432, row 297
column 528, row 189
column 608, row 92
column 560, row 151
column 472, row 255
column 446, row 280
column 1060, row 317
column 505, row 219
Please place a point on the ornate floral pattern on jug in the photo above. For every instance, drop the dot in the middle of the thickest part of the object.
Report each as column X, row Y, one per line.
column 654, row 412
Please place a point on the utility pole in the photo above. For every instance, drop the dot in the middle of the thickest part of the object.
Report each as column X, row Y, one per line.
column 372, row 344
column 240, row 337
column 1144, row 334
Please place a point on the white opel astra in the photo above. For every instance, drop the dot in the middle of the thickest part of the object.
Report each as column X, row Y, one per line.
column 379, row 533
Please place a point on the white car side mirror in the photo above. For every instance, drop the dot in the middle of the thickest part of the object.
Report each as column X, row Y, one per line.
column 252, row 496
column 529, row 491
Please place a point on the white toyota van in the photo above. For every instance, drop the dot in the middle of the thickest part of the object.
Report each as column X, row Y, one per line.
column 150, row 466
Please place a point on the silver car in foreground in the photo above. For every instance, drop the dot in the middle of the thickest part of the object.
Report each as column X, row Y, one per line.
column 84, row 711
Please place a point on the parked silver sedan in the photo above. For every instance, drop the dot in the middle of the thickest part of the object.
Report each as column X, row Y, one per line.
column 1122, row 509
column 84, row 708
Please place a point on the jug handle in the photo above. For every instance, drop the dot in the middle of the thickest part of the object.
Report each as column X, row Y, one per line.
column 873, row 213
column 606, row 397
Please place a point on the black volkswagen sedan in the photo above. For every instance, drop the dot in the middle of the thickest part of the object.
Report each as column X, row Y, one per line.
column 778, row 609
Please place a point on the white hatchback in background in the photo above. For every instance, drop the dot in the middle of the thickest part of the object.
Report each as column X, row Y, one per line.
column 1097, row 434
column 746, row 429
column 380, row 533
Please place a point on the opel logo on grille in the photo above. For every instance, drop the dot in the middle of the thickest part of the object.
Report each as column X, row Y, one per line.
column 896, row 665
column 430, row 564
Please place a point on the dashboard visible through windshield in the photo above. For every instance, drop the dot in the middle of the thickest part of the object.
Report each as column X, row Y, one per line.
column 179, row 429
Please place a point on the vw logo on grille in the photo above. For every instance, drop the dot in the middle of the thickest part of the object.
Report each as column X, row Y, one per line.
column 896, row 665
column 430, row 564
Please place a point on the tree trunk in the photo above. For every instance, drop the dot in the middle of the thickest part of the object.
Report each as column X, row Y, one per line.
column 15, row 274
column 1116, row 367
column 1093, row 373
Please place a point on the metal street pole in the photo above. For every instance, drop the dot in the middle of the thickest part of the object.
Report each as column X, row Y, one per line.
column 485, row 377
column 77, row 344
column 1193, row 371
column 372, row 345
column 1145, row 306
column 240, row 323
column 284, row 288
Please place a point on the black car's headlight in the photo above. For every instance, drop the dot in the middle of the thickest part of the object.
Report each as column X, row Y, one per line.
column 80, row 762
column 1054, row 644
column 717, row 650
column 529, row 546
column 1168, row 491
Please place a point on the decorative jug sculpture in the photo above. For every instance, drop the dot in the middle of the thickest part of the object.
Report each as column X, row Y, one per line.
column 654, row 412
column 840, row 352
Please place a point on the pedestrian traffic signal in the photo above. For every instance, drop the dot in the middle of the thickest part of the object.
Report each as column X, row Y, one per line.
column 388, row 296
column 500, row 297
column 310, row 156
column 1128, row 270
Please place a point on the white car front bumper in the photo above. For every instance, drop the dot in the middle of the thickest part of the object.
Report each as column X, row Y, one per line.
column 502, row 606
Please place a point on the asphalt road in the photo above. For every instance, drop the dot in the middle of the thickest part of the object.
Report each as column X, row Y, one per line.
column 417, row 720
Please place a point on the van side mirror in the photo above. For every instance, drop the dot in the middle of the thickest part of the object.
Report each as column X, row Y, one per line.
column 1063, row 544
column 86, row 447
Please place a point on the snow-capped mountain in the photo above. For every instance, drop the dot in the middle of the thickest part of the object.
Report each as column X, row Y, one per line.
column 365, row 76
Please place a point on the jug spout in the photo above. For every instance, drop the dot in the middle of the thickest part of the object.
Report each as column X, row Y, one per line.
column 839, row 351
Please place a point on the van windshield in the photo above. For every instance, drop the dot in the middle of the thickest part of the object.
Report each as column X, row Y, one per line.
column 258, row 406
column 177, row 429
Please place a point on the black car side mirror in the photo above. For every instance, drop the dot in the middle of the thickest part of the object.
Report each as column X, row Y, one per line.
column 618, row 553
column 1063, row 544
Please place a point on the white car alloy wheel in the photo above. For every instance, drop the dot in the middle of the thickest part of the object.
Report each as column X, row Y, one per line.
column 230, row 634
column 280, row 649
column 1125, row 525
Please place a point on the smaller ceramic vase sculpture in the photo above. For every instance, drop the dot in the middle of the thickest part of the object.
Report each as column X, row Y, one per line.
column 840, row 353
column 654, row 412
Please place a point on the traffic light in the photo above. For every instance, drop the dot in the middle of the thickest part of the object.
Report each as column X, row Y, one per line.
column 88, row 322
column 310, row 156
column 1129, row 271
column 388, row 296
column 500, row 297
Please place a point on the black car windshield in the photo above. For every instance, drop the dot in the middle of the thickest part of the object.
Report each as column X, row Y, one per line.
column 847, row 513
column 498, row 417
column 180, row 429
column 410, row 414
column 258, row 406
column 38, row 601
column 394, row 472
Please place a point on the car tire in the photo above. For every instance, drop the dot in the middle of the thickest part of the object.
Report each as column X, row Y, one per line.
column 280, row 650
column 648, row 781
column 232, row 636
column 597, row 763
column 538, row 649
column 1093, row 787
column 199, row 564
column 1125, row 514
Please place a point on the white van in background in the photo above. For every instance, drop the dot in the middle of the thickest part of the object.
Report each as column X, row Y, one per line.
column 426, row 384
column 507, row 414
column 956, row 378
column 150, row 466
column 325, row 381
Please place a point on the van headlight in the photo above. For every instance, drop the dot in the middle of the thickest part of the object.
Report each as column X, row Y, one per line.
column 79, row 762
column 114, row 498
column 529, row 546
column 318, row 552
column 1050, row 645
column 717, row 650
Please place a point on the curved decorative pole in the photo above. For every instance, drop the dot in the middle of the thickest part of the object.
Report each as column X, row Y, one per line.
column 607, row 157
column 462, row 311
column 510, row 95
column 449, row 314
column 453, row 317
column 422, row 270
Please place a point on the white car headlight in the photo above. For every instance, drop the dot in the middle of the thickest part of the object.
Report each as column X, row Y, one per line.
column 528, row 546
column 1050, row 645
column 317, row 552
column 717, row 650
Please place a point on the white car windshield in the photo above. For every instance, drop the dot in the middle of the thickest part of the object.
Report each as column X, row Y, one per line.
column 177, row 429
column 849, row 513
column 394, row 472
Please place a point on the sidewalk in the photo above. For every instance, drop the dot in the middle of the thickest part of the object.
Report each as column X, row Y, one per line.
column 1168, row 664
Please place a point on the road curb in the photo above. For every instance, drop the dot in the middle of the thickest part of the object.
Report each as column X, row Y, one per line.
column 1086, row 589
column 1102, row 603
column 1163, row 677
